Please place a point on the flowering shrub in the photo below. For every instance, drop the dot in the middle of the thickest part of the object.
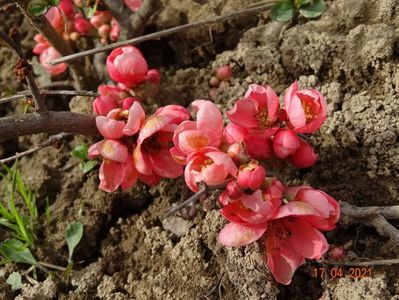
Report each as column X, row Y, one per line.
column 288, row 220
column 70, row 22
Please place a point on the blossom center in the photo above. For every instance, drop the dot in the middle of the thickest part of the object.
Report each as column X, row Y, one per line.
column 310, row 109
column 206, row 163
column 151, row 145
column 263, row 119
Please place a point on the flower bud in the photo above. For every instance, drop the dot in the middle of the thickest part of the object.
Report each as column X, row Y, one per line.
column 224, row 73
column 285, row 143
column 251, row 175
column 336, row 252
column 127, row 65
column 304, row 157
column 238, row 153
column 104, row 31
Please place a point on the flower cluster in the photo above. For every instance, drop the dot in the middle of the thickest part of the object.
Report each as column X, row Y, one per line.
column 68, row 20
column 260, row 135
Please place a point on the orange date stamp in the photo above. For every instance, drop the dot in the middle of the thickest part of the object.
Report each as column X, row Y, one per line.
column 339, row 272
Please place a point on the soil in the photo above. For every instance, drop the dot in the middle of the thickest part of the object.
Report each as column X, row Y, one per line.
column 128, row 251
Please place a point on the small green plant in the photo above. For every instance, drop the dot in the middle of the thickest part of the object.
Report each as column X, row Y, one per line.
column 15, row 280
column 40, row 7
column 81, row 152
column 285, row 10
column 22, row 227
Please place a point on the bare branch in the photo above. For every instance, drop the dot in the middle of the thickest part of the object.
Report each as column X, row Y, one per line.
column 23, row 94
column 50, row 142
column 351, row 211
column 385, row 228
column 53, row 122
column 194, row 198
column 374, row 262
column 43, row 26
column 163, row 33
column 141, row 17
column 40, row 106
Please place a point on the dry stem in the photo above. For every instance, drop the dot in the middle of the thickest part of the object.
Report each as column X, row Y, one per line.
column 166, row 32
column 23, row 94
column 40, row 106
column 43, row 26
column 52, row 122
column 50, row 142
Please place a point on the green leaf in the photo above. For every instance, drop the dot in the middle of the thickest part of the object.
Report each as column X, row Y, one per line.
column 283, row 11
column 90, row 11
column 299, row 3
column 15, row 280
column 88, row 166
column 55, row 2
column 313, row 10
column 38, row 7
column 80, row 151
column 16, row 251
column 73, row 235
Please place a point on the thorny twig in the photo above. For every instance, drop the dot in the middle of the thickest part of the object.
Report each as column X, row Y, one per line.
column 141, row 17
column 374, row 262
column 23, row 94
column 194, row 198
column 52, row 141
column 376, row 217
column 52, row 122
column 43, row 26
column 163, row 33
column 40, row 107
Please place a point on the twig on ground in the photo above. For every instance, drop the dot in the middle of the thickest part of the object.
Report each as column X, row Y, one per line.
column 376, row 217
column 43, row 26
column 52, row 141
column 194, row 198
column 23, row 94
column 163, row 33
column 51, row 266
column 141, row 17
column 385, row 228
column 374, row 262
column 53, row 122
column 388, row 212
column 26, row 69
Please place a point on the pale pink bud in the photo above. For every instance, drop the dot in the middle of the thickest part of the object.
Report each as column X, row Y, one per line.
column 233, row 190
column 50, row 54
column 127, row 65
column 238, row 153
column 251, row 175
column 134, row 5
column 153, row 76
column 224, row 73
column 214, row 81
column 285, row 143
column 115, row 31
column 336, row 252
column 104, row 31
column 304, row 157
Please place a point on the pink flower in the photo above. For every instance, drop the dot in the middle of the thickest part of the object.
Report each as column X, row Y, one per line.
column 111, row 97
column 117, row 168
column 251, row 175
column 304, row 157
column 152, row 155
column 289, row 241
column 285, row 143
column 210, row 166
column 113, row 126
column 100, row 18
column 306, row 109
column 50, row 54
column 316, row 207
column 127, row 66
column 257, row 143
column 206, row 131
column 134, row 5
column 258, row 110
